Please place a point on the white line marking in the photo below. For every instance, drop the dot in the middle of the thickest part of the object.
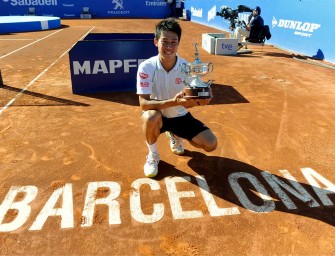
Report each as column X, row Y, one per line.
column 29, row 44
column 42, row 73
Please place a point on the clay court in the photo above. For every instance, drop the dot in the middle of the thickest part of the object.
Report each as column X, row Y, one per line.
column 74, row 163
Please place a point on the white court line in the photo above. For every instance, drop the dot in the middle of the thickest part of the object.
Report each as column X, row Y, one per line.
column 3, row 56
column 37, row 77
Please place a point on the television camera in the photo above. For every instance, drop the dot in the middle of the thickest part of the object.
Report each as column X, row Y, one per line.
column 232, row 15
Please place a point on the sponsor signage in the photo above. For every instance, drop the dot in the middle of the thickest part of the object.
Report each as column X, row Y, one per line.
column 31, row 2
column 109, row 62
column 101, row 9
column 298, row 26
column 286, row 194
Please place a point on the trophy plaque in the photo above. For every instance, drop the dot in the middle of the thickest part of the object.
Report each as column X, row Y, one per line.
column 197, row 89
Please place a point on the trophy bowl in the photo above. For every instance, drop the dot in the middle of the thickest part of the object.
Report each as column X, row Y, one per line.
column 197, row 89
column 199, row 69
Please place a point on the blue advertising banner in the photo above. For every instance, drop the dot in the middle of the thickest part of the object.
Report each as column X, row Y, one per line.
column 108, row 62
column 98, row 8
column 300, row 26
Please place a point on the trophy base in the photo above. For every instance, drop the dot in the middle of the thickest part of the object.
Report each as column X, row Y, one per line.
column 197, row 93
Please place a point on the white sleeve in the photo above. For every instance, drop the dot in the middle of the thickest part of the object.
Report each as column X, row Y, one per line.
column 145, row 74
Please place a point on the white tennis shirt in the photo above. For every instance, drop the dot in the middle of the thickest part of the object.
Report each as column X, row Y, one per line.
column 153, row 79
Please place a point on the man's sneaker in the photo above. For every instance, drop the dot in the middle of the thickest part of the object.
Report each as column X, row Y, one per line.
column 176, row 143
column 151, row 165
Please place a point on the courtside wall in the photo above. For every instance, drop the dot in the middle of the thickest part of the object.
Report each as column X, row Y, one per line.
column 301, row 26
column 98, row 8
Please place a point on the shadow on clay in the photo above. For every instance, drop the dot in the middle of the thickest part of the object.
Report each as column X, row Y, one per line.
column 219, row 172
column 223, row 94
column 34, row 98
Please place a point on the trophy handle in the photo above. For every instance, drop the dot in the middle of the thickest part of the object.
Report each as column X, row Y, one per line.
column 211, row 64
column 184, row 69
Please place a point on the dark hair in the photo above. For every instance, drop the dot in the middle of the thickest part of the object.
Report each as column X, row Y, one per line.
column 258, row 9
column 169, row 24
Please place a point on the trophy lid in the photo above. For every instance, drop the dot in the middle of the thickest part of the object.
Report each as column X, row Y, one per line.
column 197, row 59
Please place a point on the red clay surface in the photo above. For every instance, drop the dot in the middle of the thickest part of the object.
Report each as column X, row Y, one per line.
column 270, row 112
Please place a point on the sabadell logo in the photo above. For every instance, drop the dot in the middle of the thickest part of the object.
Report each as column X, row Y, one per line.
column 31, row 2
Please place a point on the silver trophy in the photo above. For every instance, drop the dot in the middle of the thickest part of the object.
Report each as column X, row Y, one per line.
column 197, row 89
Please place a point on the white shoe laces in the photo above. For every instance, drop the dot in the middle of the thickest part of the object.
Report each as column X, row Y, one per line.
column 152, row 158
column 175, row 140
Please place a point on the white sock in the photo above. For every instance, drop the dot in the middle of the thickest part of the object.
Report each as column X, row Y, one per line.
column 152, row 148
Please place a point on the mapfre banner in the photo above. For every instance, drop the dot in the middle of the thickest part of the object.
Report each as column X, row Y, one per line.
column 109, row 62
